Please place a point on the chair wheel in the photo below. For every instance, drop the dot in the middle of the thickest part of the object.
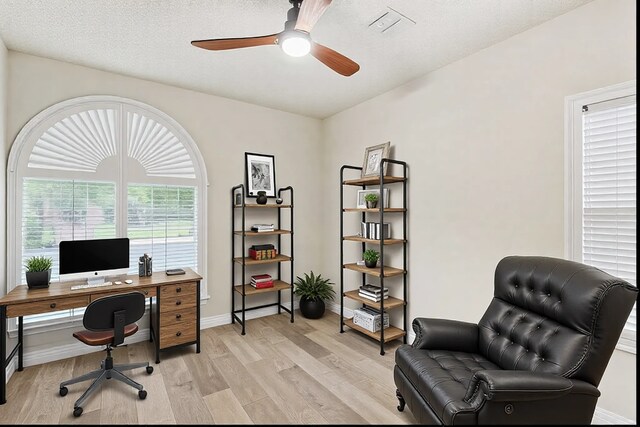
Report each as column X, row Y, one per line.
column 63, row 391
column 149, row 370
column 77, row 411
column 142, row 394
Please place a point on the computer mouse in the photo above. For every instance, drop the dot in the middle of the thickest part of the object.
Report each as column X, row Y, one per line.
column 117, row 282
column 128, row 281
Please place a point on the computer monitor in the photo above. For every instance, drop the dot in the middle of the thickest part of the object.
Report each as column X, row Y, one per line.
column 93, row 259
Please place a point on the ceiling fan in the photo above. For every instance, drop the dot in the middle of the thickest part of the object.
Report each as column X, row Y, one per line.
column 294, row 39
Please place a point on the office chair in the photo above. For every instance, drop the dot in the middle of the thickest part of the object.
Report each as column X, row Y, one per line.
column 108, row 321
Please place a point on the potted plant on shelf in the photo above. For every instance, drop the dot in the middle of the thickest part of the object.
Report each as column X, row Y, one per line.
column 313, row 291
column 38, row 272
column 372, row 200
column 370, row 258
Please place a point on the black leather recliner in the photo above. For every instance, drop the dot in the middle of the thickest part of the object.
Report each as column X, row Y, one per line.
column 536, row 356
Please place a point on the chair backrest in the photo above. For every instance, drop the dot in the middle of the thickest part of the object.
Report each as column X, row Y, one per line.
column 113, row 313
column 554, row 316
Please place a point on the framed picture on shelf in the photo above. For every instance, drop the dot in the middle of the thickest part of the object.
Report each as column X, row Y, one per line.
column 373, row 157
column 260, row 170
column 362, row 203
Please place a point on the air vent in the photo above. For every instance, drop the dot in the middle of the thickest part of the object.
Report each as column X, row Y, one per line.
column 391, row 21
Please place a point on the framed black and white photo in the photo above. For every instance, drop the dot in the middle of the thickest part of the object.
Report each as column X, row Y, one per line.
column 362, row 203
column 373, row 157
column 260, row 170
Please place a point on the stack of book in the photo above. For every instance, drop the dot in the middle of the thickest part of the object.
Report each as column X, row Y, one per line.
column 261, row 228
column 373, row 292
column 261, row 281
column 259, row 252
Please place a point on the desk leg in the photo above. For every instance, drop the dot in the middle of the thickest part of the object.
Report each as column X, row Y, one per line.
column 151, row 331
column 3, row 352
column 20, row 343
column 198, row 317
column 157, row 329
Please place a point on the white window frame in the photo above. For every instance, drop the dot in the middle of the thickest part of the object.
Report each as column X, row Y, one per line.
column 573, row 176
column 19, row 157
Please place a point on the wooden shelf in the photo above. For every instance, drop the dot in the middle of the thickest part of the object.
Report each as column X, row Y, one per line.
column 374, row 241
column 267, row 206
column 263, row 233
column 389, row 303
column 388, row 271
column 374, row 210
column 251, row 261
column 278, row 285
column 391, row 333
column 373, row 180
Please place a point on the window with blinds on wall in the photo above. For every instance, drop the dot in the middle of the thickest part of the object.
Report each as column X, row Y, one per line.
column 609, row 192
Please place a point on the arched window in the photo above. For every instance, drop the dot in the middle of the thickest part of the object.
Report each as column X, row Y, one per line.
column 101, row 167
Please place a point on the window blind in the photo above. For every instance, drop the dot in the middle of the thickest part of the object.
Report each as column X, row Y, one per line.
column 57, row 210
column 163, row 222
column 609, row 192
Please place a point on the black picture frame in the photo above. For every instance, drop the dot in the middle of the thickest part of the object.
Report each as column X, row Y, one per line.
column 260, row 174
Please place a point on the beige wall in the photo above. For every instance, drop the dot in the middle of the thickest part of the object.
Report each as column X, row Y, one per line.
column 484, row 140
column 223, row 129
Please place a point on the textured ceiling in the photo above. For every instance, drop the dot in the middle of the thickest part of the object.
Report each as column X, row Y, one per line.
column 150, row 39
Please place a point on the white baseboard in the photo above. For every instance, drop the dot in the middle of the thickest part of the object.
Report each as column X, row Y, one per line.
column 602, row 416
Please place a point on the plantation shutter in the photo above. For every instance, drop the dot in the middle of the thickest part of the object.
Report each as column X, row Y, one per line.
column 609, row 192
column 163, row 222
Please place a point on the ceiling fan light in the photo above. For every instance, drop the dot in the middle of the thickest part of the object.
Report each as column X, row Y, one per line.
column 296, row 45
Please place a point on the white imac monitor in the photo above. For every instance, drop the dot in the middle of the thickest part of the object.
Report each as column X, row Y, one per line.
column 93, row 259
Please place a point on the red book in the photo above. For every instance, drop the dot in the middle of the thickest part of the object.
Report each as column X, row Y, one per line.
column 261, row 285
column 259, row 277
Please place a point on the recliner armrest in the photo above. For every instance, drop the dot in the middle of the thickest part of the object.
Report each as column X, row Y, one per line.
column 443, row 334
column 509, row 385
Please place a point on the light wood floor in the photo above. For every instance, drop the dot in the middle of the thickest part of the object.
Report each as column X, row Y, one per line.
column 305, row 372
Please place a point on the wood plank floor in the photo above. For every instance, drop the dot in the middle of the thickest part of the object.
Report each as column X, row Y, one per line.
column 300, row 373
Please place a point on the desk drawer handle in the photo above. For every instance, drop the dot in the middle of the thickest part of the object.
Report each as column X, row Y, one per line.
column 178, row 316
column 52, row 305
column 178, row 302
column 178, row 333
column 178, row 289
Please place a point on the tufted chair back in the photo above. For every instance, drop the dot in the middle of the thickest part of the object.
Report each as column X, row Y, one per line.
column 554, row 316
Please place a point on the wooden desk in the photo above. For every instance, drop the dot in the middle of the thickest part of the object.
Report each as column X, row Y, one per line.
column 174, row 310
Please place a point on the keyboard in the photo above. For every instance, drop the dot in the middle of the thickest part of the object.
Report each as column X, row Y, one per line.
column 90, row 285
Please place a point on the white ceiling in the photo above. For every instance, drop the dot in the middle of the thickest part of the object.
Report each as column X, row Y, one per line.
column 150, row 39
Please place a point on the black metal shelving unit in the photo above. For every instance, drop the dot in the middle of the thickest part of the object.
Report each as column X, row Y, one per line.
column 383, row 272
column 245, row 289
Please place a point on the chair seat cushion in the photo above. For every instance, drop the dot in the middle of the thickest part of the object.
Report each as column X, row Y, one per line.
column 441, row 377
column 103, row 338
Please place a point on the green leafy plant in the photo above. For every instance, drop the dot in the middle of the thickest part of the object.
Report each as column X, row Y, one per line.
column 371, row 197
column 370, row 255
column 38, row 263
column 314, row 287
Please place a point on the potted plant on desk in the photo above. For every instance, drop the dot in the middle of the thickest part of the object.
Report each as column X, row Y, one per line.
column 38, row 272
column 313, row 290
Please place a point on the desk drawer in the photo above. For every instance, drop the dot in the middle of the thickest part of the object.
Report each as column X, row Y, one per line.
column 47, row 306
column 147, row 292
column 185, row 316
column 182, row 301
column 177, row 334
column 180, row 289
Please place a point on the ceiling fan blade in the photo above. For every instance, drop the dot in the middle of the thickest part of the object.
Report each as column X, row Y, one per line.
column 310, row 12
column 235, row 43
column 334, row 60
